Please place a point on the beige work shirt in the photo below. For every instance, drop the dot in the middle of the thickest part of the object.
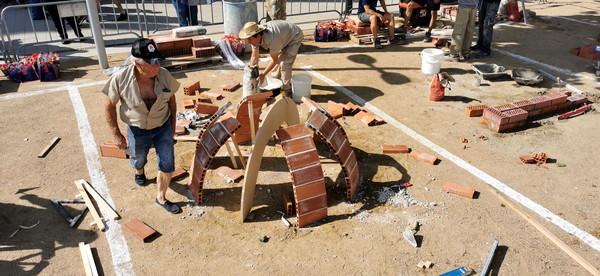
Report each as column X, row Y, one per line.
column 278, row 35
column 133, row 111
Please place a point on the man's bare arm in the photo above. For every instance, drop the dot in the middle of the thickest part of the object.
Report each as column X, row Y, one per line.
column 110, row 109
column 173, row 109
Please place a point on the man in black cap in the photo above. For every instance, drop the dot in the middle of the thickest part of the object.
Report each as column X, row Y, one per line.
column 148, row 108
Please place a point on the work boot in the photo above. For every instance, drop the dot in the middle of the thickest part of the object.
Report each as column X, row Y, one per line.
column 122, row 17
column 427, row 37
column 396, row 40
column 482, row 55
column 377, row 43
column 475, row 47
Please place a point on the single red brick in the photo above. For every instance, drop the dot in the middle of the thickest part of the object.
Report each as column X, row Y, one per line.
column 307, row 175
column 516, row 115
column 287, row 202
column 458, row 189
column 564, row 105
column 307, row 219
column 229, row 174
column 179, row 130
column 206, row 108
column 495, row 115
column 179, row 172
column 557, row 98
column 526, row 105
column 541, row 102
column 311, row 204
column 211, row 95
column 109, row 149
column 394, row 148
column 577, row 99
column 534, row 112
column 292, row 132
column 183, row 42
column 423, row 157
column 475, row 110
column 190, row 88
column 201, row 41
column 302, row 160
column 139, row 229
column 231, row 87
column 575, row 51
column 335, row 108
column 505, row 107
column 587, row 49
column 549, row 109
column 310, row 190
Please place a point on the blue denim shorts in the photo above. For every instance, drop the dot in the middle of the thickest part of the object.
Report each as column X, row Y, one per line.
column 141, row 140
column 366, row 18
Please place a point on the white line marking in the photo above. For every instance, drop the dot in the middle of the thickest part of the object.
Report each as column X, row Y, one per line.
column 516, row 196
column 116, row 241
column 563, row 71
column 571, row 19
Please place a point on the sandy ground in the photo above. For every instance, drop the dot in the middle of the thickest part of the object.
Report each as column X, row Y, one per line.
column 357, row 238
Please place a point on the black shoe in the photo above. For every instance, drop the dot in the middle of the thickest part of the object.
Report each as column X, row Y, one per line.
column 427, row 37
column 122, row 17
column 169, row 206
column 377, row 43
column 140, row 179
column 80, row 35
column 482, row 55
column 65, row 42
column 396, row 40
column 475, row 48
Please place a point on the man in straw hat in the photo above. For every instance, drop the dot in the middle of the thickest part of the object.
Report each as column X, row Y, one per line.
column 282, row 39
column 147, row 95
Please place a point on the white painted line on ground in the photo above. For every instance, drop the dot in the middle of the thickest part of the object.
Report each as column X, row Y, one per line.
column 571, row 19
column 116, row 241
column 554, row 68
column 514, row 195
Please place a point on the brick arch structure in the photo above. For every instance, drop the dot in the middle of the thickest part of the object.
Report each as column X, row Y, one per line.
column 334, row 135
column 284, row 110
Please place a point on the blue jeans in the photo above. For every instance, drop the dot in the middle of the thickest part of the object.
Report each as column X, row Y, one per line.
column 141, row 140
column 487, row 20
column 188, row 15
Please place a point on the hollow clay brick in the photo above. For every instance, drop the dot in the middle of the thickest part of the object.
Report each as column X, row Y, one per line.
column 526, row 105
column 458, row 189
column 527, row 159
column 179, row 172
column 287, row 202
column 484, row 121
column 190, row 88
column 575, row 51
column 516, row 115
column 534, row 112
column 179, row 130
column 423, row 157
column 201, row 41
column 495, row 115
column 231, row 87
column 312, row 217
column 211, row 95
column 335, row 108
column 564, row 105
column 188, row 103
column 394, row 148
column 229, row 174
column 505, row 107
column 541, row 102
column 200, row 52
column 309, row 190
column 475, row 110
column 139, row 229
column 304, row 159
column 310, row 204
column 292, row 132
column 206, row 108
column 109, row 149
column 183, row 42
column 557, row 98
column 366, row 118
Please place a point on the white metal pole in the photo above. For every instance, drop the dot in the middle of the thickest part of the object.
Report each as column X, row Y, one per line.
column 97, row 33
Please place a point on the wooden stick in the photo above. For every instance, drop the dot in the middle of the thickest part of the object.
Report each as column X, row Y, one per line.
column 251, row 114
column 45, row 151
column 237, row 148
column 550, row 236
column 101, row 202
column 90, row 205
column 84, row 256
column 91, row 261
column 186, row 138
column 235, row 166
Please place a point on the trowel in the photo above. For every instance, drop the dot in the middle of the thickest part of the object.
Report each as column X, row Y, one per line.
column 408, row 235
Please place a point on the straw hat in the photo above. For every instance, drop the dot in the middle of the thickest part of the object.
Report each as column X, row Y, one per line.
column 250, row 29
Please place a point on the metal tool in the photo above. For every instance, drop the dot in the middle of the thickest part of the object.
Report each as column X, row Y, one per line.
column 488, row 262
column 580, row 110
column 408, row 235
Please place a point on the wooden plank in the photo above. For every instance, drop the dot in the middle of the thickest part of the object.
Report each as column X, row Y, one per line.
column 84, row 256
column 237, row 148
column 101, row 202
column 251, row 114
column 368, row 38
column 45, row 151
column 186, row 138
column 91, row 261
column 186, row 60
column 90, row 205
column 550, row 236
column 235, row 166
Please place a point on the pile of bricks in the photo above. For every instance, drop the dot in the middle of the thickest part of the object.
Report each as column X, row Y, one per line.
column 511, row 116
column 358, row 27
column 169, row 46
column 449, row 12
column 587, row 52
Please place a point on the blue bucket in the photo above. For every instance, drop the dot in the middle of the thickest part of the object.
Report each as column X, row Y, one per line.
column 236, row 13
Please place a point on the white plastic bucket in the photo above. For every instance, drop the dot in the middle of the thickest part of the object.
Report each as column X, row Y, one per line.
column 432, row 60
column 301, row 85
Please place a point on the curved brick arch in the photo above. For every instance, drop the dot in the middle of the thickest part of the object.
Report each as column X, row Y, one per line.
column 284, row 110
column 307, row 174
column 212, row 136
column 334, row 135
column 242, row 115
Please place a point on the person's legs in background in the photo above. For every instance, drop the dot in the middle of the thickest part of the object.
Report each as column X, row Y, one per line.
column 432, row 7
column 123, row 13
column 58, row 23
column 182, row 12
column 193, row 15
column 469, row 32
column 487, row 33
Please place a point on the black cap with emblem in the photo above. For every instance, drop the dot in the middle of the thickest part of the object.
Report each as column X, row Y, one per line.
column 146, row 49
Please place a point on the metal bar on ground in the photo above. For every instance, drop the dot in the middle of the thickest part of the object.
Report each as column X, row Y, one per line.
column 560, row 82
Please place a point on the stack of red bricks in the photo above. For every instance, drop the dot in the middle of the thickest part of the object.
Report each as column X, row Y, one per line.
column 587, row 52
column 358, row 27
column 514, row 115
column 449, row 12
column 169, row 46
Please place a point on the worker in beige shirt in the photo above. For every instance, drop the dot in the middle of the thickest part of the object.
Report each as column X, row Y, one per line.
column 148, row 107
column 282, row 39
